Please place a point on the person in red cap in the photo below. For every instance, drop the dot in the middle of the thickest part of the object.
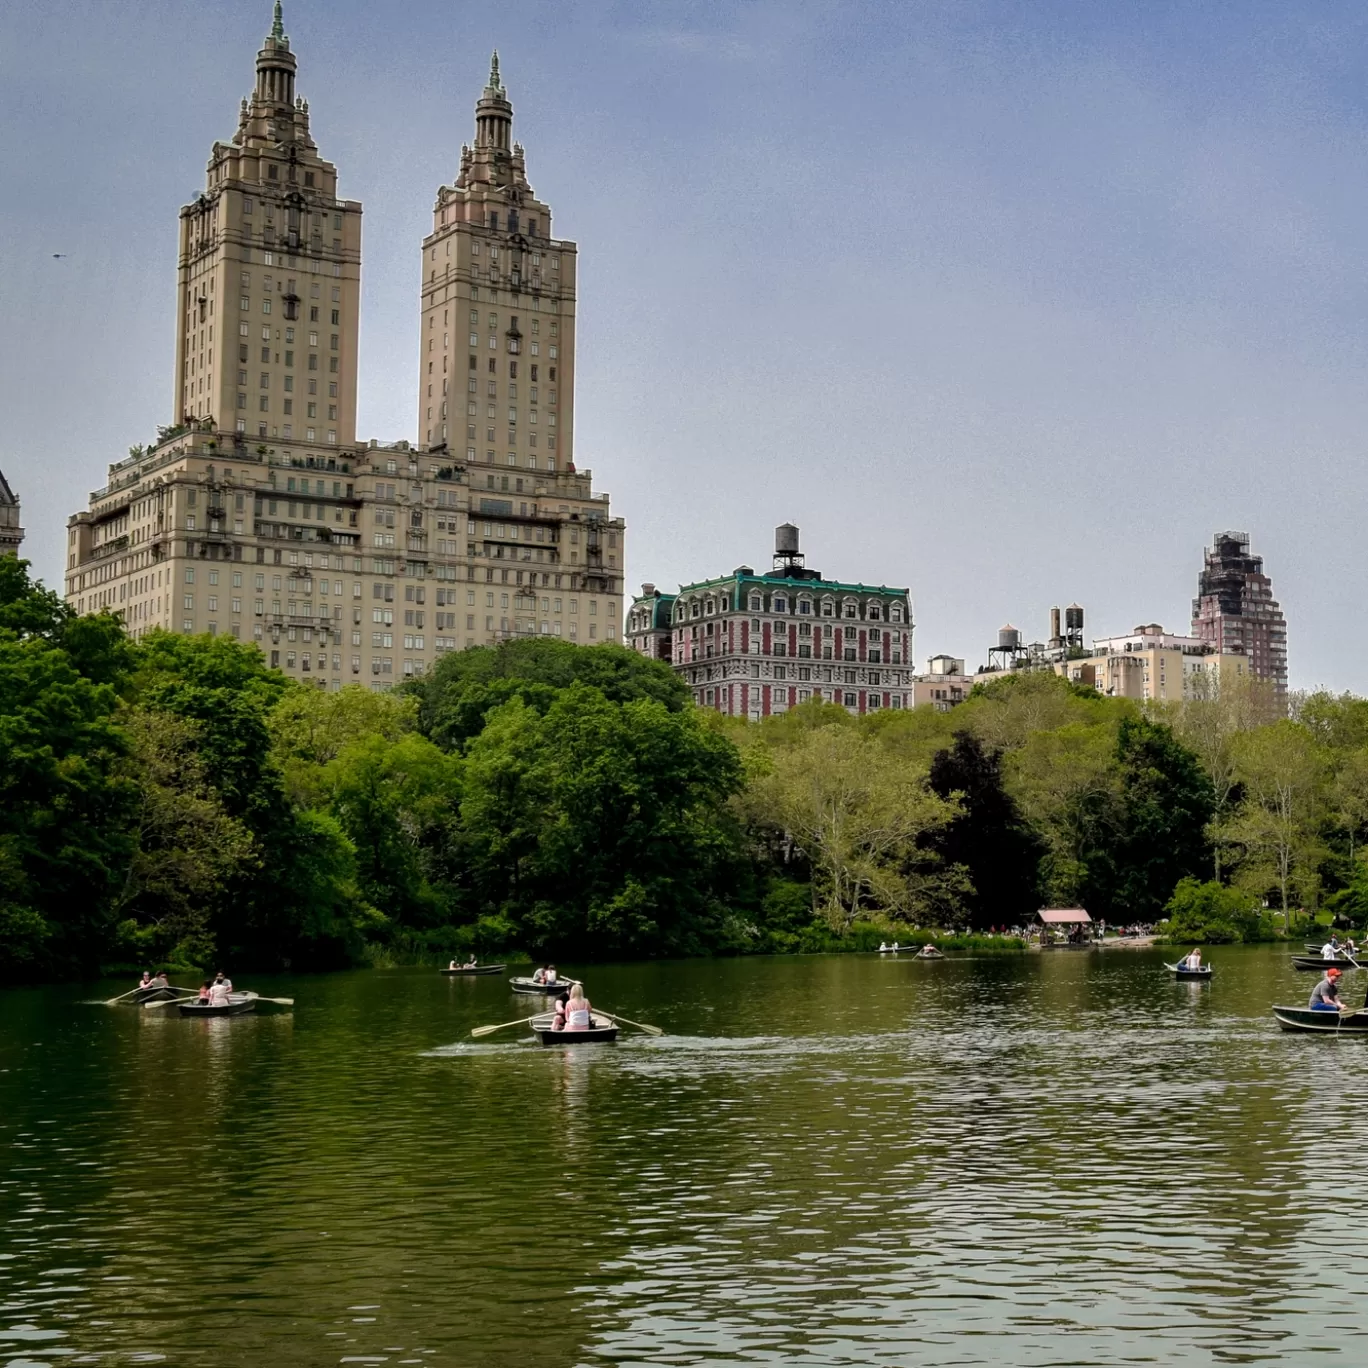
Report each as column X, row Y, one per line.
column 1325, row 995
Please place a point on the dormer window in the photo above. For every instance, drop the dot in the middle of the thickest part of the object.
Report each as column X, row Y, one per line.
column 850, row 609
column 755, row 603
column 805, row 607
column 896, row 612
column 828, row 608
column 780, row 604
column 874, row 612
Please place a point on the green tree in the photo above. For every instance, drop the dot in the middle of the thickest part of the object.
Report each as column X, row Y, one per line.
column 988, row 837
column 64, row 810
column 1161, row 836
column 866, row 822
column 457, row 697
column 397, row 800
column 1276, row 828
column 1213, row 914
column 627, row 800
column 187, row 849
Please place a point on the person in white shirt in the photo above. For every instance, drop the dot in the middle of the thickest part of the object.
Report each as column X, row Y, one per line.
column 1330, row 950
column 218, row 993
column 1193, row 960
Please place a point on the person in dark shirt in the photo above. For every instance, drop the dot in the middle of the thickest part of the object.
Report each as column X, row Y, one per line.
column 1325, row 995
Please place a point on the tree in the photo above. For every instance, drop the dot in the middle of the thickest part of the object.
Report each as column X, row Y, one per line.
column 186, row 847
column 1223, row 707
column 396, row 799
column 1166, row 804
column 1068, row 786
column 988, row 838
column 1213, row 914
column 457, row 697
column 1277, row 825
column 866, row 822
column 64, row 842
column 310, row 728
column 603, row 826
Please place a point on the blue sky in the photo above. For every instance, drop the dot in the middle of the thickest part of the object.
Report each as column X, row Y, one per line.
column 1013, row 304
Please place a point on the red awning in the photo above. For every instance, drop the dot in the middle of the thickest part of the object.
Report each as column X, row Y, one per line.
column 1063, row 916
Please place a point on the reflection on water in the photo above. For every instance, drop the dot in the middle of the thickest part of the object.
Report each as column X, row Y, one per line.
column 1036, row 1160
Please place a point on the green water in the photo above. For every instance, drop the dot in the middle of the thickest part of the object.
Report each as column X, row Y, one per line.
column 1033, row 1160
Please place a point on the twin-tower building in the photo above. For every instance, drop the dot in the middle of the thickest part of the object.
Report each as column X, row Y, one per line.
column 258, row 515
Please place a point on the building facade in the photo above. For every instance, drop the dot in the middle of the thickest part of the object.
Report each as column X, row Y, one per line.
column 945, row 684
column 1150, row 663
column 257, row 515
column 11, row 532
column 754, row 645
column 1236, row 612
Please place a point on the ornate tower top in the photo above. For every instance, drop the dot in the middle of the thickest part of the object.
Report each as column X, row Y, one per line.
column 278, row 26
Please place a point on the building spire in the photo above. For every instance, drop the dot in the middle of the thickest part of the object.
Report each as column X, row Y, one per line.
column 278, row 24
column 494, row 82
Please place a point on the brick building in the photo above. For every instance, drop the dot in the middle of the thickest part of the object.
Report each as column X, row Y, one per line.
column 754, row 644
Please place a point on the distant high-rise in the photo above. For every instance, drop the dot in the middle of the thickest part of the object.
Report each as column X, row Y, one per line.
column 1235, row 609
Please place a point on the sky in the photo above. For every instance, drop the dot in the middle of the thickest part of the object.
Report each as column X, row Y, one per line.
column 1012, row 305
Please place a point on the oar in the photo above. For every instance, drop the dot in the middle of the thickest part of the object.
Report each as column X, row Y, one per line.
column 109, row 1002
column 284, row 1002
column 641, row 1026
column 503, row 1025
column 168, row 1002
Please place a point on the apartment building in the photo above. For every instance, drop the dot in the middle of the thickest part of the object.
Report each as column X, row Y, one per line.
column 754, row 645
column 257, row 514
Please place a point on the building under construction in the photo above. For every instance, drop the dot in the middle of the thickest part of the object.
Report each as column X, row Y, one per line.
column 1236, row 612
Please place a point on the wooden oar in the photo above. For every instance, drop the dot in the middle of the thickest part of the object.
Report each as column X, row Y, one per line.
column 641, row 1026
column 109, row 1002
column 503, row 1025
column 284, row 1002
column 168, row 1002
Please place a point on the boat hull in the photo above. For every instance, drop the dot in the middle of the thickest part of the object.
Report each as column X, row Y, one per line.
column 464, row 972
column 525, row 985
column 1323, row 1023
column 1310, row 963
column 238, row 1004
column 602, row 1032
column 1180, row 973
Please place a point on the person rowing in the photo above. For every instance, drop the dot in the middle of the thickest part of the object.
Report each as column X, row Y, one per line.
column 577, row 1011
column 146, row 980
column 1325, row 995
column 1193, row 959
column 218, row 992
column 222, row 978
column 204, row 992
column 1331, row 949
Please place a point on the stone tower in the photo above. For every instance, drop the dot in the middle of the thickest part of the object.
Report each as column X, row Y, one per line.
column 497, row 348
column 270, row 276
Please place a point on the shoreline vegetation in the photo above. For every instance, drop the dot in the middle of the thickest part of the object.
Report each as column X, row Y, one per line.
column 173, row 801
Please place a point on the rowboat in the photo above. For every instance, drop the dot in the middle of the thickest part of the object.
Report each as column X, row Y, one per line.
column 1310, row 962
column 1314, row 947
column 1328, row 1023
column 602, row 1032
column 1180, row 972
column 929, row 952
column 470, row 970
column 526, row 985
column 157, row 994
column 238, row 1004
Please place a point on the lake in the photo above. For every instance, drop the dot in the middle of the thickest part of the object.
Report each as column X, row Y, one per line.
column 1042, row 1159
